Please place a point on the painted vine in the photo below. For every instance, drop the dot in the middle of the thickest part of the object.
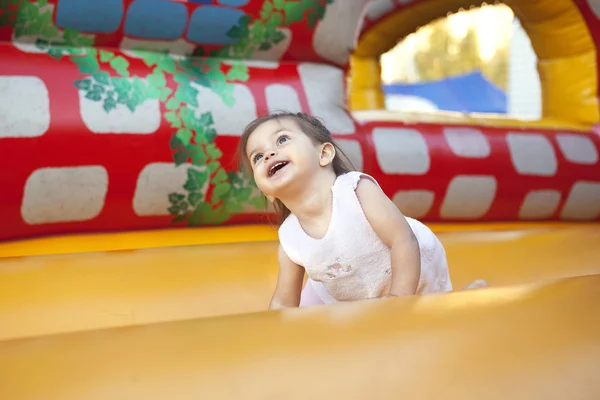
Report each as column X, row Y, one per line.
column 211, row 195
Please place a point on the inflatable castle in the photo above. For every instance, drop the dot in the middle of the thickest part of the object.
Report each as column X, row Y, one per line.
column 135, row 261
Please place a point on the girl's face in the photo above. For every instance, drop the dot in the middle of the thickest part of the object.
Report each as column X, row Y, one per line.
column 281, row 156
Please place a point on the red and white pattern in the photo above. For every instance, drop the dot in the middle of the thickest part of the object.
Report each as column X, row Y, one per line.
column 68, row 166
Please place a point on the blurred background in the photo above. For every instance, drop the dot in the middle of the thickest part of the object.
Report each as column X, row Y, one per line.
column 476, row 60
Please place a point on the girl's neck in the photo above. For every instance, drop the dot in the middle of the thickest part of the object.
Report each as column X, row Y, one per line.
column 313, row 201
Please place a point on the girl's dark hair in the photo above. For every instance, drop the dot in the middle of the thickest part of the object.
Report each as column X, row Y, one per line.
column 310, row 126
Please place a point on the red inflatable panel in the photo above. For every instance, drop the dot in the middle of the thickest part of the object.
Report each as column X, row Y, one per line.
column 99, row 139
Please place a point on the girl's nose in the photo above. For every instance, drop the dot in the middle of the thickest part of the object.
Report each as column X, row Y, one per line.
column 269, row 154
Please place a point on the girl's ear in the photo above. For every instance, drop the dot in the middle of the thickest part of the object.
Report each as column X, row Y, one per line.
column 327, row 154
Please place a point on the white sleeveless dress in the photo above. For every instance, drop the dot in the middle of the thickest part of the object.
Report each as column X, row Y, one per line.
column 351, row 262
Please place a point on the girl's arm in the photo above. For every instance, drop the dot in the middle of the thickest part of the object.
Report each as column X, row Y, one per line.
column 289, row 283
column 393, row 229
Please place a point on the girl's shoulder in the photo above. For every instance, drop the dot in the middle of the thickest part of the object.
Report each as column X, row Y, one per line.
column 352, row 178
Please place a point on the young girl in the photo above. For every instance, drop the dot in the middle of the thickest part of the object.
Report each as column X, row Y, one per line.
column 336, row 224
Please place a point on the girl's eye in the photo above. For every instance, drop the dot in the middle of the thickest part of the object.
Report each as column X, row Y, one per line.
column 256, row 158
column 282, row 139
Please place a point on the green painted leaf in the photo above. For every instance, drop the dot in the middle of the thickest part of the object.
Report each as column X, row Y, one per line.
column 213, row 152
column 180, row 157
column 196, row 180
column 28, row 11
column 213, row 166
column 98, row 88
column 95, row 96
column 245, row 20
column 203, row 81
column 182, row 77
column 87, row 64
column 175, row 198
column 164, row 93
column 69, row 35
column 259, row 203
column 109, row 104
column 195, row 197
column 275, row 21
column 90, row 51
column 153, row 92
column 243, row 194
column 233, row 207
column 221, row 176
column 122, row 98
column 56, row 53
column 167, row 64
column 238, row 72
column 201, row 137
column 235, row 32
column 216, row 76
column 122, row 87
column 188, row 118
column 173, row 119
column 175, row 143
column 220, row 215
column 258, row 31
column 151, row 58
column 138, row 97
column 219, row 191
column 197, row 155
column 139, row 87
column 173, row 210
column 278, row 36
column 83, row 84
column 265, row 46
column 106, row 56
column 102, row 78
column 294, row 12
column 201, row 213
column 206, row 119
column 228, row 99
column 279, row 4
column 132, row 104
column 120, row 64
column 185, row 135
column 210, row 134
column 265, row 12
column 50, row 31
column 172, row 104
column 212, row 63
column 187, row 94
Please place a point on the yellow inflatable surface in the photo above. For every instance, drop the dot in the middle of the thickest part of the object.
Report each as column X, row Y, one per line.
column 104, row 281
column 534, row 342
